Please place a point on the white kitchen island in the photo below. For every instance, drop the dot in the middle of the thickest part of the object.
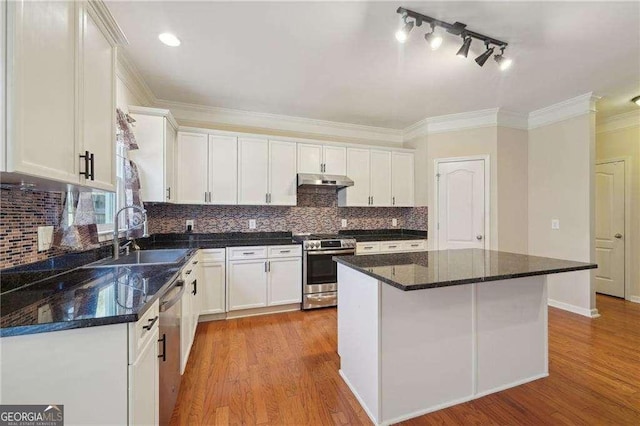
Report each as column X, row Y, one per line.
column 418, row 332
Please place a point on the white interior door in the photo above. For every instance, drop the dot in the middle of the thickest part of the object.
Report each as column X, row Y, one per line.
column 610, row 228
column 461, row 205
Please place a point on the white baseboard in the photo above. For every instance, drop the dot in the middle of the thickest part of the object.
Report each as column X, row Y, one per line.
column 634, row 299
column 263, row 311
column 360, row 401
column 590, row 313
column 511, row 385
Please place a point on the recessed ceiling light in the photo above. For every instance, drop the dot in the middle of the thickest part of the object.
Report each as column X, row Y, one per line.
column 169, row 39
column 636, row 100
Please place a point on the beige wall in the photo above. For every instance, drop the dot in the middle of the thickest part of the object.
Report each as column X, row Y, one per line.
column 619, row 144
column 561, row 175
column 512, row 190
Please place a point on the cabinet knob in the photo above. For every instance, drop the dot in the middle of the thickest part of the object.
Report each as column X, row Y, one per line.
column 478, row 237
column 618, row 236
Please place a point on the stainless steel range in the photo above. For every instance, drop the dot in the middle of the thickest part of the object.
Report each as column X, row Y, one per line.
column 319, row 271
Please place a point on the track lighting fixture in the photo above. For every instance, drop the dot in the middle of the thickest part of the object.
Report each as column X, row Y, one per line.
column 464, row 50
column 480, row 60
column 636, row 100
column 503, row 63
column 403, row 33
column 459, row 29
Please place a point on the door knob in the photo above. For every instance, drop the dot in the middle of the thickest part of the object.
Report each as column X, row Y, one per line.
column 478, row 237
column 618, row 236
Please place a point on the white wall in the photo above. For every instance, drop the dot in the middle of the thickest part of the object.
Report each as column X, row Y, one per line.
column 561, row 186
column 619, row 143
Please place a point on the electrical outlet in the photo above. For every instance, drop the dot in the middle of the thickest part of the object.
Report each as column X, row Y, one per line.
column 45, row 236
column 343, row 223
column 394, row 222
column 190, row 225
column 252, row 224
column 555, row 224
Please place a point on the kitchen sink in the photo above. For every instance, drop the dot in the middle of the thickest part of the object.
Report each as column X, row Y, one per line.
column 143, row 257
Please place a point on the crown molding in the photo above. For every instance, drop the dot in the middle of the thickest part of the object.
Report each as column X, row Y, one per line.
column 157, row 112
column 619, row 122
column 513, row 120
column 112, row 27
column 131, row 77
column 225, row 116
column 564, row 110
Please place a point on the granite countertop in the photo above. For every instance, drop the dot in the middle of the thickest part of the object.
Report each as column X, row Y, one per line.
column 366, row 236
column 432, row 269
column 217, row 240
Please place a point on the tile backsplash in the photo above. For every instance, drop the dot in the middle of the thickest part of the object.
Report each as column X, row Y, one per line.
column 317, row 211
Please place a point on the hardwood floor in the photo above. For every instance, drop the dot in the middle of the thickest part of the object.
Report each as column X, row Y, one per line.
column 283, row 369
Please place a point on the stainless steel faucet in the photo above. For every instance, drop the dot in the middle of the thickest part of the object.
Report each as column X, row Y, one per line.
column 145, row 229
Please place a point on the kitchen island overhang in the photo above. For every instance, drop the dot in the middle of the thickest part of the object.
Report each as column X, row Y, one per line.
column 477, row 326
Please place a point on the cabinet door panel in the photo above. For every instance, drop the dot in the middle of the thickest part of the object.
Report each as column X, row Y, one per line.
column 149, row 157
column 41, row 90
column 253, row 165
column 335, row 160
column 185, row 329
column 358, row 169
column 97, row 104
column 212, row 288
column 285, row 281
column 282, row 173
column 247, row 284
column 192, row 168
column 309, row 158
column 402, row 179
column 380, row 178
column 223, row 169
column 170, row 136
column 144, row 386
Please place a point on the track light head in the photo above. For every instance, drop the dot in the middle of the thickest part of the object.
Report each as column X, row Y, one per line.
column 435, row 41
column 503, row 63
column 480, row 60
column 464, row 50
column 636, row 100
column 403, row 33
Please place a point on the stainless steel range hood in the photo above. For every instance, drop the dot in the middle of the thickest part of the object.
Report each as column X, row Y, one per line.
column 335, row 181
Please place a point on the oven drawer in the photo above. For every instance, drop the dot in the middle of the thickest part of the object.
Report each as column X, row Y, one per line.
column 254, row 252
column 285, row 251
column 319, row 300
column 368, row 248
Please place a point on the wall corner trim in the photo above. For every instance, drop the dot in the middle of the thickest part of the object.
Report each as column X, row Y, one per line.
column 158, row 112
column 619, row 122
column 564, row 110
column 112, row 27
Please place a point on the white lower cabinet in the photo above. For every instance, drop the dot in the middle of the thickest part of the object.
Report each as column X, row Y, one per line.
column 144, row 389
column 402, row 246
column 213, row 275
column 259, row 279
column 190, row 310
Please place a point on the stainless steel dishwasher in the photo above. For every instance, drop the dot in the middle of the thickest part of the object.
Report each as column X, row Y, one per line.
column 169, row 358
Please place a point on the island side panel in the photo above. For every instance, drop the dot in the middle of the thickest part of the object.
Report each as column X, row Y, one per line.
column 427, row 350
column 511, row 318
column 359, row 337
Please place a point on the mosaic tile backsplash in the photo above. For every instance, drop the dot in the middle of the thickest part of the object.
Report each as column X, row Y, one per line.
column 317, row 211
column 21, row 212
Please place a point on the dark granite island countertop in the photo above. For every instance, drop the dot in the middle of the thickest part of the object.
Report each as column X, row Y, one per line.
column 432, row 269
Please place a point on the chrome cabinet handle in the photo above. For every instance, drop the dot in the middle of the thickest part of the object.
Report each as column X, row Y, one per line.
column 393, row 200
column 618, row 236
column 393, row 247
column 265, row 266
column 285, row 251
column 246, row 253
column 415, row 245
column 478, row 237
column 168, row 193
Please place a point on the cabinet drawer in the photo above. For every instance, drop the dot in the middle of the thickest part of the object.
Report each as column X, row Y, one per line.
column 285, row 251
column 368, row 248
column 239, row 253
column 414, row 245
column 212, row 255
column 391, row 246
column 143, row 330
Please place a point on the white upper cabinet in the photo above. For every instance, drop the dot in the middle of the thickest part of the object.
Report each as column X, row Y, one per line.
column 282, row 173
column 402, row 179
column 60, row 60
column 358, row 169
column 223, row 169
column 192, row 168
column 380, row 178
column 253, row 168
column 326, row 159
column 155, row 132
column 266, row 172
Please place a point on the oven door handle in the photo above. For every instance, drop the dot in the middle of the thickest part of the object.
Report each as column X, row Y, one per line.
column 326, row 252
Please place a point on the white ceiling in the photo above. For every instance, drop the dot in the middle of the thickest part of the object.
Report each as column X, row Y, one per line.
column 339, row 61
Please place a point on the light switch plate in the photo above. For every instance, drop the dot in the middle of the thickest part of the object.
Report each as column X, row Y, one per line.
column 343, row 223
column 394, row 222
column 45, row 236
column 252, row 224
column 555, row 224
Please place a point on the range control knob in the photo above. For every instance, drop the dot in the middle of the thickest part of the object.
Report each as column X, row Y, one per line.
column 306, row 244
